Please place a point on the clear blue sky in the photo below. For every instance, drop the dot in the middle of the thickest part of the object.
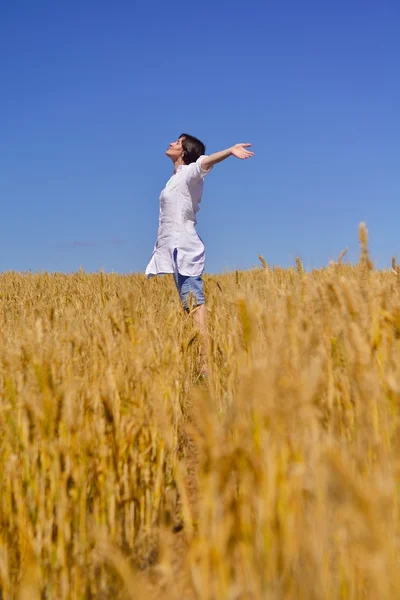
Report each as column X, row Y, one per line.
column 92, row 92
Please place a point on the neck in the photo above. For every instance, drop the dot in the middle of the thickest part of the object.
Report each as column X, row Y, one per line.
column 178, row 163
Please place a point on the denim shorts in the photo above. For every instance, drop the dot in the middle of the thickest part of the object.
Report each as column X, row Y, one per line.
column 191, row 290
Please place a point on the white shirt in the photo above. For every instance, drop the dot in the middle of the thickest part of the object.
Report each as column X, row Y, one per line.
column 179, row 203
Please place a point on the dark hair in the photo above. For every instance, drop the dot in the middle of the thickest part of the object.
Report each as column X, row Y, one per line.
column 192, row 148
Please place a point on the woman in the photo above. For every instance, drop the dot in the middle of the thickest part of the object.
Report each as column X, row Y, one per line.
column 179, row 249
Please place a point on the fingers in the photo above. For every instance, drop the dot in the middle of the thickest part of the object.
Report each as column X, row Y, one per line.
column 241, row 153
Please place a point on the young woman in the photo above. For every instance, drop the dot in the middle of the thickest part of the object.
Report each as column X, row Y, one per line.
column 179, row 249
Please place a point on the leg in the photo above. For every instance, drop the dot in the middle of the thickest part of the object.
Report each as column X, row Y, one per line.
column 191, row 292
column 199, row 318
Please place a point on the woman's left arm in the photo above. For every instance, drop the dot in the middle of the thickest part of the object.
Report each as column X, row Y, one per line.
column 238, row 150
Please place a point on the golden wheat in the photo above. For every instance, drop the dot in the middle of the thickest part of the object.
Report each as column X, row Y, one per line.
column 123, row 477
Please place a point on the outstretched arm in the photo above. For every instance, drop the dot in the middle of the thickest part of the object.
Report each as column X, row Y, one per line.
column 239, row 150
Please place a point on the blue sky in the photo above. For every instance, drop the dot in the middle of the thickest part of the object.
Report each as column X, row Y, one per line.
column 92, row 92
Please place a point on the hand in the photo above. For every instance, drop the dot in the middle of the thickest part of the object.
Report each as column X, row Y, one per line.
column 239, row 151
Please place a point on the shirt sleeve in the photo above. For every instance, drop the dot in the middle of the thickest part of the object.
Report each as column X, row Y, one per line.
column 195, row 172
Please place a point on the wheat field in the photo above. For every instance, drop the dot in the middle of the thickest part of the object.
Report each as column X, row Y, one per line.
column 126, row 476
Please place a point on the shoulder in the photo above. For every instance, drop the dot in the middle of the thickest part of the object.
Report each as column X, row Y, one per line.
column 195, row 172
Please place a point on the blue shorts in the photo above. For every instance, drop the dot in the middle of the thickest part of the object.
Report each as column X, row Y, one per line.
column 191, row 289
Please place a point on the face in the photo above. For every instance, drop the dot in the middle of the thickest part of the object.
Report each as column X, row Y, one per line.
column 175, row 149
